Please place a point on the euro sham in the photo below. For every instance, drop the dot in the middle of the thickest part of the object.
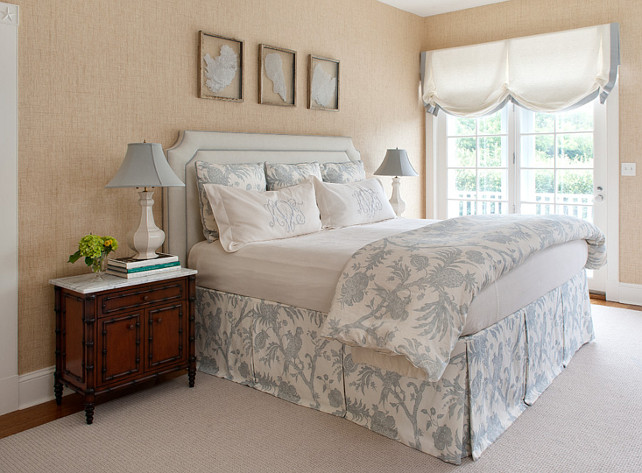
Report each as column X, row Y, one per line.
column 280, row 175
column 250, row 176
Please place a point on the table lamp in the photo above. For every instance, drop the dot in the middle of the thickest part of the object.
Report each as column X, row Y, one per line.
column 145, row 167
column 396, row 164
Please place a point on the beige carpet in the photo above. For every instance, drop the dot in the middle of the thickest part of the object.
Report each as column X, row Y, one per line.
column 589, row 420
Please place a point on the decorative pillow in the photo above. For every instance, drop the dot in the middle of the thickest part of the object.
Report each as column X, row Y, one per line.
column 249, row 176
column 353, row 203
column 280, row 175
column 349, row 171
column 248, row 216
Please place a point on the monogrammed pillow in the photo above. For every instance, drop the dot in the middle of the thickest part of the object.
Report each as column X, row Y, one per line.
column 248, row 216
column 354, row 203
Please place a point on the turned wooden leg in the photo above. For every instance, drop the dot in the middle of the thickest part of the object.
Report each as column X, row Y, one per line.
column 191, row 375
column 58, row 392
column 89, row 412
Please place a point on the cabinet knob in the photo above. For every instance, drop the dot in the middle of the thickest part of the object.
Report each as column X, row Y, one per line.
column 145, row 298
column 131, row 327
column 159, row 320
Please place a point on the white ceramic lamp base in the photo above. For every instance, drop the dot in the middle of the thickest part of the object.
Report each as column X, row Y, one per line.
column 148, row 237
column 397, row 203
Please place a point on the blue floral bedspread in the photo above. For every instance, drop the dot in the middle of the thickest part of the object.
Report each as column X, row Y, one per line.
column 409, row 294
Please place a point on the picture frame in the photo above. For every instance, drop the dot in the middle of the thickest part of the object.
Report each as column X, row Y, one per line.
column 220, row 69
column 323, row 84
column 277, row 76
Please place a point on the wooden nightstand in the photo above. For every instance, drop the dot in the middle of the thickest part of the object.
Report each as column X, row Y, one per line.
column 115, row 332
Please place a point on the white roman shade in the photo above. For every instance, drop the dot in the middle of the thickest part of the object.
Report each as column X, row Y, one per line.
column 547, row 72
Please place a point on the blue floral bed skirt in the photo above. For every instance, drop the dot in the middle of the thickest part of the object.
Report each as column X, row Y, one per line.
column 492, row 376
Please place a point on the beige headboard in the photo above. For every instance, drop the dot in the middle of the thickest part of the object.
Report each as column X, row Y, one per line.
column 182, row 216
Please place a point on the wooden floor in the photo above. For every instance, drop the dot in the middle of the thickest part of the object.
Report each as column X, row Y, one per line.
column 24, row 419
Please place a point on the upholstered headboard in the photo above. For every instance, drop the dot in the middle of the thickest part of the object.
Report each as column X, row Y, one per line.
column 182, row 216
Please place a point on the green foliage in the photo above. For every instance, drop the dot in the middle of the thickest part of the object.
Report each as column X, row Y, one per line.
column 94, row 249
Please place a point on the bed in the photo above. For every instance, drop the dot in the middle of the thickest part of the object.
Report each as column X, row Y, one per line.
column 263, row 311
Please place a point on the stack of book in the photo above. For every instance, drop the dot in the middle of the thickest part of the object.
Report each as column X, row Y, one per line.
column 138, row 268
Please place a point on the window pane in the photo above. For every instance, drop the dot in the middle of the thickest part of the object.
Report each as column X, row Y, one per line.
column 462, row 184
column 579, row 119
column 537, row 186
column 579, row 211
column 457, row 208
column 461, row 152
column 494, row 124
column 537, row 209
column 575, row 150
column 531, row 122
column 491, row 208
column 575, row 187
column 460, row 126
column 492, row 151
column 538, row 151
column 493, row 185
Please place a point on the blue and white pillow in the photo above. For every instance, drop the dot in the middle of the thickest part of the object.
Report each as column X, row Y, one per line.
column 250, row 176
column 280, row 175
column 342, row 173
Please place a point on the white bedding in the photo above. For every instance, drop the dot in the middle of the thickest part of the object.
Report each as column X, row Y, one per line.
column 303, row 271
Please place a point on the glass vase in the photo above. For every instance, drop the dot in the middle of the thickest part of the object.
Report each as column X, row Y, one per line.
column 99, row 266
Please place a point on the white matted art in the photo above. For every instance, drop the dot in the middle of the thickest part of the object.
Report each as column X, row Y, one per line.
column 323, row 85
column 220, row 68
column 277, row 76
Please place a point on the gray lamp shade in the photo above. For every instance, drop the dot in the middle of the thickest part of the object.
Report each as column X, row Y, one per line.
column 396, row 163
column 145, row 165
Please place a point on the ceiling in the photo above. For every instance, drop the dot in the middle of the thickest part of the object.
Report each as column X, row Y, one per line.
column 436, row 7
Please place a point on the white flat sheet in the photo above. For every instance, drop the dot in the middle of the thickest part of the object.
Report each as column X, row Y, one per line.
column 303, row 271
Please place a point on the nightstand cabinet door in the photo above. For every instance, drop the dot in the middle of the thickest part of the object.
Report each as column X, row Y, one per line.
column 166, row 336
column 119, row 347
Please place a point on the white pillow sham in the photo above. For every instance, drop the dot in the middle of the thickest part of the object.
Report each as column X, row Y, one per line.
column 250, row 176
column 280, row 175
column 353, row 203
column 248, row 216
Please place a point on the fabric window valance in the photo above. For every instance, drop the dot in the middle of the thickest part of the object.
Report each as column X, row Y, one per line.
column 547, row 72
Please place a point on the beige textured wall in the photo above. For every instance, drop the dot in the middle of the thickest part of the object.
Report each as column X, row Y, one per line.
column 527, row 17
column 96, row 75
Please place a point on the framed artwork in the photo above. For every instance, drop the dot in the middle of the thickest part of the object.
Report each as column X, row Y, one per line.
column 323, row 85
column 277, row 76
column 220, row 69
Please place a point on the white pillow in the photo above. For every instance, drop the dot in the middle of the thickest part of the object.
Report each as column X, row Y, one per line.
column 353, row 203
column 248, row 216
column 280, row 175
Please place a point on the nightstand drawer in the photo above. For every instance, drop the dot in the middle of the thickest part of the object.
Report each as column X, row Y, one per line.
column 147, row 295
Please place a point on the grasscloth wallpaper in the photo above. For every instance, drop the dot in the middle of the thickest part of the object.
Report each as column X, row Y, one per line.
column 527, row 17
column 95, row 75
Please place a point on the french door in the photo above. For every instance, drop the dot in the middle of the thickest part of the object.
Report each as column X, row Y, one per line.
column 519, row 161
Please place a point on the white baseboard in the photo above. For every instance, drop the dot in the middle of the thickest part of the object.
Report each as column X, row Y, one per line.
column 624, row 293
column 37, row 387
column 9, row 398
